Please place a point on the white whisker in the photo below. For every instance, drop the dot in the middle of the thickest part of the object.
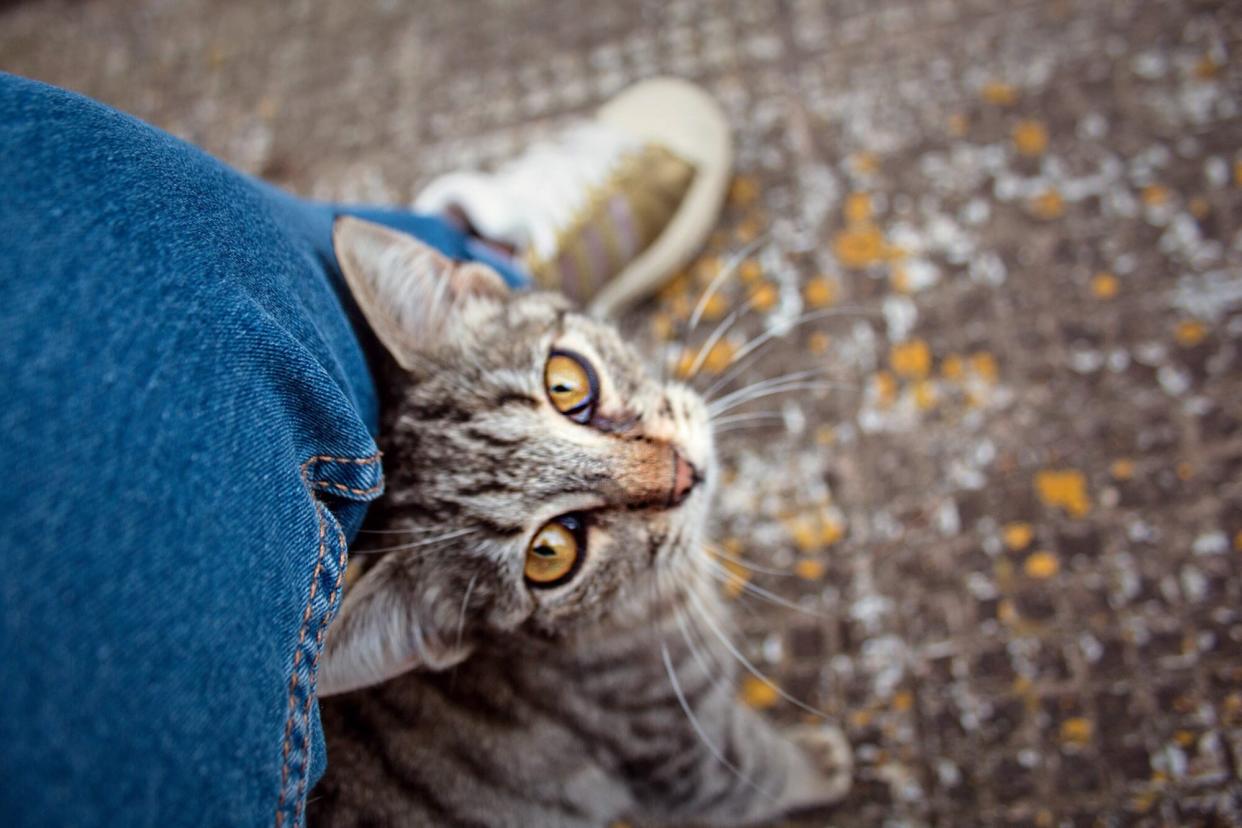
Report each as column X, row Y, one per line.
column 760, row 592
column 817, row 385
column 728, row 270
column 745, row 662
column 698, row 728
column 459, row 533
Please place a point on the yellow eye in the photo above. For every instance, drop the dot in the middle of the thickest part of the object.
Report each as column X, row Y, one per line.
column 553, row 553
column 571, row 385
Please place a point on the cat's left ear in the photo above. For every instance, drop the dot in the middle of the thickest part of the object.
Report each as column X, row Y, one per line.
column 409, row 292
column 414, row 612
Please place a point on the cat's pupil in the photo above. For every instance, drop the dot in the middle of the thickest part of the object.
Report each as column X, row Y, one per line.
column 545, row 551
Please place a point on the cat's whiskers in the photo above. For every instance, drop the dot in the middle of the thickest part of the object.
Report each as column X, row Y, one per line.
column 459, row 533
column 697, row 726
column 753, row 348
column 735, row 262
column 759, row 394
column 724, row 575
column 742, row 562
column 806, row 373
column 706, row 348
column 705, row 617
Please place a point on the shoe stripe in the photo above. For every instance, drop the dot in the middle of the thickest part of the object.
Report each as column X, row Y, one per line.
column 622, row 224
column 597, row 257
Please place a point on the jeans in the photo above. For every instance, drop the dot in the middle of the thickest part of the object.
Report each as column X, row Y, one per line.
column 187, row 433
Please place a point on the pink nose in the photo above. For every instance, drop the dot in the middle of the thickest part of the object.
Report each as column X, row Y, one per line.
column 685, row 475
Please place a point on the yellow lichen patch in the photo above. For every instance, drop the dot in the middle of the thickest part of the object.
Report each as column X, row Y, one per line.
column 1030, row 137
column 958, row 124
column 809, row 569
column 1122, row 468
column 857, row 207
column 737, row 580
column 1007, row 612
column 1048, row 205
column 1185, row 738
column 830, row 531
column 744, row 190
column 718, row 358
column 764, row 298
column 1185, row 471
column 1017, row 536
column 818, row 342
column 715, row 307
column 899, row 278
column 1207, row 68
column 911, row 360
column 804, row 533
column 1077, row 731
column 999, row 94
column 860, row 719
column 758, row 694
column 750, row 271
column 1104, row 285
column 1237, row 173
column 925, row 395
column 749, row 228
column 1066, row 488
column 952, row 368
column 1237, row 541
column 661, row 327
column 707, row 268
column 1041, row 565
column 903, row 700
column 825, row 435
column 865, row 163
column 680, row 306
column 1199, row 207
column 1155, row 194
column 819, row 292
column 885, row 388
column 984, row 366
column 859, row 246
column 1189, row 333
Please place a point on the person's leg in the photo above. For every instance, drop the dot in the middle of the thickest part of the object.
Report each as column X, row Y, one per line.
column 187, row 434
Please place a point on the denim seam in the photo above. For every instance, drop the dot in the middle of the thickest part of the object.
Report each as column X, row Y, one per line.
column 300, row 801
column 328, row 484
column 312, row 485
column 297, row 657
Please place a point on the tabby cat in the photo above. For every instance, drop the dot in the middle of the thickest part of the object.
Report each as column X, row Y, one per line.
column 539, row 646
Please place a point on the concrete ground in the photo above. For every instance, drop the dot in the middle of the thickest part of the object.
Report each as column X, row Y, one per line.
column 1014, row 520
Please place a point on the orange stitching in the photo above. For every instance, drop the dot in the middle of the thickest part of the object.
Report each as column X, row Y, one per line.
column 323, row 627
column 297, row 657
column 297, row 654
column 344, row 488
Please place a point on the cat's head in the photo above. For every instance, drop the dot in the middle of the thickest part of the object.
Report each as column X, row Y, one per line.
column 550, row 483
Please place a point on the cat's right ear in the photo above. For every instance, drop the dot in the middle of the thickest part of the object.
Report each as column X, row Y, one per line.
column 409, row 292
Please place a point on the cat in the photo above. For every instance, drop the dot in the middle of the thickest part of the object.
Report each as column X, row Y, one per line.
column 537, row 648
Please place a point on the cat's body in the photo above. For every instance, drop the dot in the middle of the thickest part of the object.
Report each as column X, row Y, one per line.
column 540, row 646
column 535, row 733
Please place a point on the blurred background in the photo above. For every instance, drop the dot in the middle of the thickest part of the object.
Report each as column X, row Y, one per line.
column 1012, row 526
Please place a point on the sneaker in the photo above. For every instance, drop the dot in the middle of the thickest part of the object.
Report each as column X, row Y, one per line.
column 614, row 206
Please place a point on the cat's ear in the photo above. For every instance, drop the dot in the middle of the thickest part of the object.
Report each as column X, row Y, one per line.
column 409, row 613
column 409, row 292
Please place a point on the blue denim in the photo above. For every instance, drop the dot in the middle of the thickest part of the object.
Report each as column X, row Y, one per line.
column 187, row 433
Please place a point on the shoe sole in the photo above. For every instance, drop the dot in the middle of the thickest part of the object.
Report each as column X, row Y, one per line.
column 685, row 119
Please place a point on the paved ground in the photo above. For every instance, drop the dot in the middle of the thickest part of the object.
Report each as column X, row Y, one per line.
column 1017, row 516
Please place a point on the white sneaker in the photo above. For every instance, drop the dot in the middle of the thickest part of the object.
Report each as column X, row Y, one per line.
column 614, row 206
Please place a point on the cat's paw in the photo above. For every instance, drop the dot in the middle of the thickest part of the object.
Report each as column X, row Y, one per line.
column 828, row 771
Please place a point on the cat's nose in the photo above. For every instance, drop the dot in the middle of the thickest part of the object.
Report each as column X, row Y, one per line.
column 685, row 476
